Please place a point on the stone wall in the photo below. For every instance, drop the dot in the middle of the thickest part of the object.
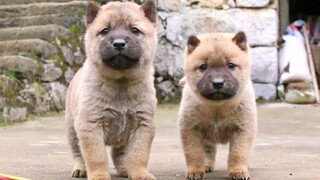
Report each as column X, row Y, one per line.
column 41, row 47
column 181, row 18
column 40, row 50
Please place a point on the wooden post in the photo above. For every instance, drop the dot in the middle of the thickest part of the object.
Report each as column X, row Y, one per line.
column 283, row 11
column 311, row 65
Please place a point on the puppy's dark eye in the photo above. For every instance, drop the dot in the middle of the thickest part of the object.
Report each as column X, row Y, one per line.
column 135, row 31
column 203, row 67
column 231, row 66
column 105, row 31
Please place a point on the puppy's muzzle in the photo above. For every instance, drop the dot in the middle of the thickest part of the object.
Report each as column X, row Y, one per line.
column 119, row 55
column 120, row 62
column 218, row 83
column 119, row 44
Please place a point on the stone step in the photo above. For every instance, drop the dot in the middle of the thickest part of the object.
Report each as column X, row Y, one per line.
column 13, row 2
column 60, row 19
column 46, row 32
column 37, row 46
column 8, row 86
column 73, row 8
column 18, row 64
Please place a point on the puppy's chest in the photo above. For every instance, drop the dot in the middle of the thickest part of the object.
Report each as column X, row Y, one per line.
column 219, row 130
column 118, row 125
column 120, row 112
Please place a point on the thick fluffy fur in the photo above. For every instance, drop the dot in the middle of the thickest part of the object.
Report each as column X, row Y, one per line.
column 207, row 120
column 106, row 106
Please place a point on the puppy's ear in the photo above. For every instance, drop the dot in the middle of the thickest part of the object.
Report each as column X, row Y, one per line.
column 193, row 42
column 241, row 40
column 91, row 12
column 103, row 2
column 149, row 7
column 138, row 1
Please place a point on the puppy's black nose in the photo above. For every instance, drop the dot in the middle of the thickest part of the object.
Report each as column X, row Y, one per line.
column 119, row 44
column 218, row 83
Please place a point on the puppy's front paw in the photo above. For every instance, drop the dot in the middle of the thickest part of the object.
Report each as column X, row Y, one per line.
column 195, row 174
column 100, row 176
column 209, row 169
column 239, row 175
column 123, row 173
column 143, row 176
column 79, row 173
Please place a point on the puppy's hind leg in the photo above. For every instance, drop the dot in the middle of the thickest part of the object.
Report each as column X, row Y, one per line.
column 79, row 169
column 118, row 157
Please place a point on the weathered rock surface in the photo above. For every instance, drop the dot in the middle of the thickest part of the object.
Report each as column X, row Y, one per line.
column 79, row 56
column 169, row 61
column 267, row 92
column 252, row 3
column 166, row 90
column 181, row 26
column 169, row 5
column 1, row 104
column 14, row 2
column 70, row 8
column 59, row 19
column 35, row 98
column 68, row 74
column 14, row 113
column 51, row 72
column 45, row 32
column 265, row 65
column 231, row 3
column 67, row 54
column 57, row 92
column 31, row 32
column 37, row 46
column 19, row 64
column 217, row 4
column 260, row 25
column 8, row 86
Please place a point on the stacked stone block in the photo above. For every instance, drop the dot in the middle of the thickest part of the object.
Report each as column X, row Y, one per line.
column 40, row 49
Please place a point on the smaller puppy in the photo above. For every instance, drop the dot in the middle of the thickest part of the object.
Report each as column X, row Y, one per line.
column 218, row 103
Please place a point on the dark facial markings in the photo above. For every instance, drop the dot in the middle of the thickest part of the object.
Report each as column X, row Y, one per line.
column 218, row 83
column 120, row 49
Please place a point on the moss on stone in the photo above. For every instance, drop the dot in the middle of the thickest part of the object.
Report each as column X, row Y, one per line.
column 59, row 61
column 77, row 31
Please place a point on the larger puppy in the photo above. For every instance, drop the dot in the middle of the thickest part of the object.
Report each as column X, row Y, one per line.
column 111, row 100
column 218, row 103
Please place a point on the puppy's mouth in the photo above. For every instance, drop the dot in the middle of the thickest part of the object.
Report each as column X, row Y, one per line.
column 120, row 62
column 218, row 96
